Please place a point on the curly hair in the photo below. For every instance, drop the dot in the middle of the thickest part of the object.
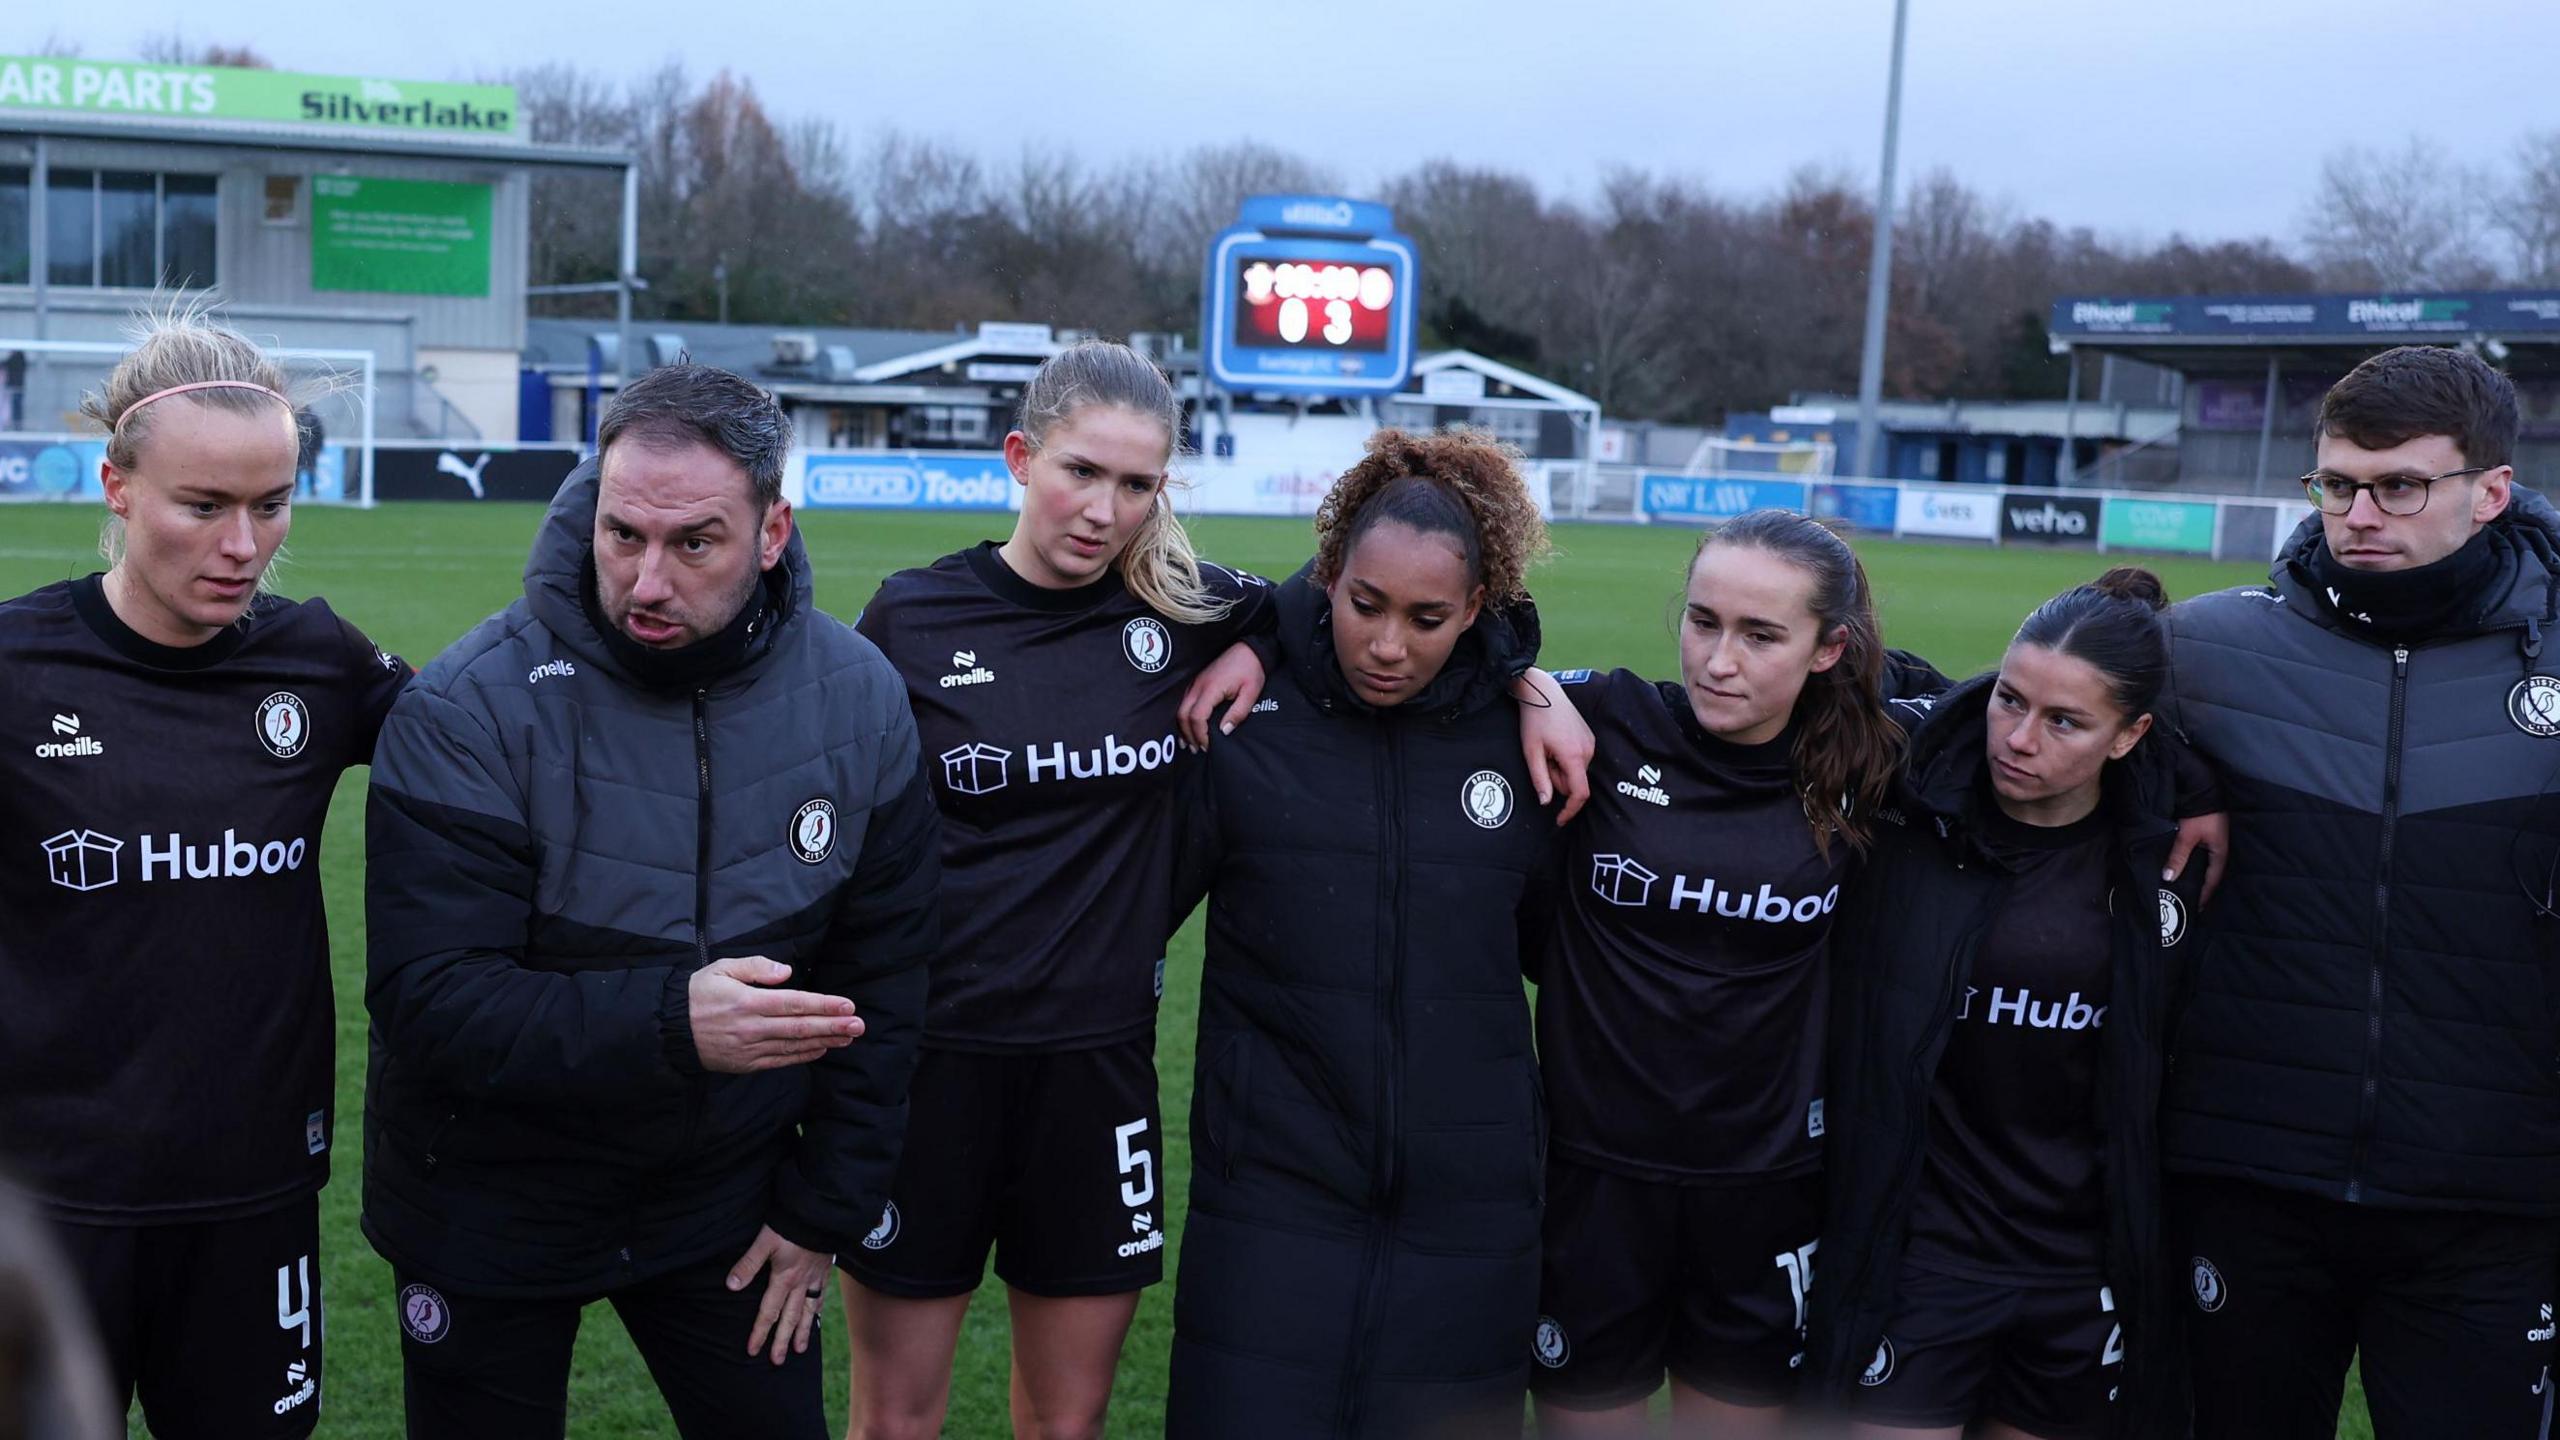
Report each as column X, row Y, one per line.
column 1457, row 482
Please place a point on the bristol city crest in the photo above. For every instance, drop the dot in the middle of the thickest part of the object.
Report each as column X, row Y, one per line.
column 1148, row 644
column 284, row 724
column 1486, row 798
column 813, row 831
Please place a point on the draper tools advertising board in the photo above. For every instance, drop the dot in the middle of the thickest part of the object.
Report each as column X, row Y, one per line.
column 909, row 480
column 263, row 97
column 407, row 237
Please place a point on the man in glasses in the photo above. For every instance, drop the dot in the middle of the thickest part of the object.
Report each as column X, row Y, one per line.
column 2363, row 1125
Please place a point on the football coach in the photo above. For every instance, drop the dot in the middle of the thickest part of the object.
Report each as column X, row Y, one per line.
column 651, row 890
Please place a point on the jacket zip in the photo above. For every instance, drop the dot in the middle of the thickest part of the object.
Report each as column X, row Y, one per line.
column 1390, row 1065
column 701, row 884
column 694, row 1095
column 2381, row 924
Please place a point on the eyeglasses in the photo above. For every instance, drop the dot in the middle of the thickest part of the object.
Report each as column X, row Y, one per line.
column 2396, row 494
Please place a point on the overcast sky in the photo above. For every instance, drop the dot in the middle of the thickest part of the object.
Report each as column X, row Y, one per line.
column 2203, row 116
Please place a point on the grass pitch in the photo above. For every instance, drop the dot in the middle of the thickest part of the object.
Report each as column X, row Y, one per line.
column 415, row 577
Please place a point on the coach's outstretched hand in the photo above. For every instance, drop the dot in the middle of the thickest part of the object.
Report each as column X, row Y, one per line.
column 741, row 1025
column 793, row 1296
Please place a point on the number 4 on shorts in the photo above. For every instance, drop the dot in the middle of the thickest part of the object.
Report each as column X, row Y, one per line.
column 1136, row 1192
column 290, row 1316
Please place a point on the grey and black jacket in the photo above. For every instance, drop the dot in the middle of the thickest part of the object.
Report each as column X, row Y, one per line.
column 2377, row 1016
column 555, row 849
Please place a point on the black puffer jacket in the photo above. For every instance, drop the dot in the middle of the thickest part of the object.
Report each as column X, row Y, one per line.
column 554, row 851
column 1362, row 1251
column 1902, row 948
column 2378, row 1017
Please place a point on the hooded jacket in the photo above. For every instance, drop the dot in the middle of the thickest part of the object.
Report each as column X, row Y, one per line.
column 2377, row 1017
column 1902, row 948
column 1362, row 1251
column 555, row 848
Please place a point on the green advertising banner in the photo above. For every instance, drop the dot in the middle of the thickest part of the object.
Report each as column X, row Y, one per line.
column 408, row 237
column 203, row 92
column 2184, row 526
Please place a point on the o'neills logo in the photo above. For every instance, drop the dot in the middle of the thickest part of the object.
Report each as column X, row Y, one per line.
column 1154, row 1241
column 1651, row 791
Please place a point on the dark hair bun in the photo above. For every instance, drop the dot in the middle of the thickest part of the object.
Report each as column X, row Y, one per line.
column 2132, row 582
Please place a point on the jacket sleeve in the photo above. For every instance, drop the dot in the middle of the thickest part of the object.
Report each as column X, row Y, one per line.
column 1252, row 614
column 887, row 925
column 375, row 679
column 1196, row 849
column 2199, row 785
column 449, row 881
column 1265, row 638
column 1909, row 677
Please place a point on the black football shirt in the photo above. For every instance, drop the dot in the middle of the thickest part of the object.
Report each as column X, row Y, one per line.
column 2011, row 1175
column 1683, row 982
column 1048, row 722
column 166, row 1026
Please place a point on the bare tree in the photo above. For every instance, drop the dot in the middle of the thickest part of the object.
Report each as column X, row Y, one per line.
column 927, row 211
column 576, row 217
column 2530, row 215
column 171, row 47
column 2408, row 219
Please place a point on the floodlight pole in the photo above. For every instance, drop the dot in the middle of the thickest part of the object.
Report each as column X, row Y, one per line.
column 1880, row 263
column 625, row 275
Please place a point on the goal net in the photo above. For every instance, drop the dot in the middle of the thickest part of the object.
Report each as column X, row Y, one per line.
column 1807, row 459
column 48, row 451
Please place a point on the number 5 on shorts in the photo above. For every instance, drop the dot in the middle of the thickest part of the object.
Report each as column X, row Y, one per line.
column 1143, row 1189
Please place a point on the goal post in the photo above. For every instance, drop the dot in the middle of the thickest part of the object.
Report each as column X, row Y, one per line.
column 1804, row 459
column 48, row 452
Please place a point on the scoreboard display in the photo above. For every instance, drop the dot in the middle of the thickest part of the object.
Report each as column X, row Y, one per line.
column 1310, row 294
column 1316, row 303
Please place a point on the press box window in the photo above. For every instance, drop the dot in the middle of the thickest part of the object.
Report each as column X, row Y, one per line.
column 120, row 229
column 943, row 424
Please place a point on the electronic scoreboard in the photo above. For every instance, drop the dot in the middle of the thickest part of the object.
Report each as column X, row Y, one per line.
column 1310, row 294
